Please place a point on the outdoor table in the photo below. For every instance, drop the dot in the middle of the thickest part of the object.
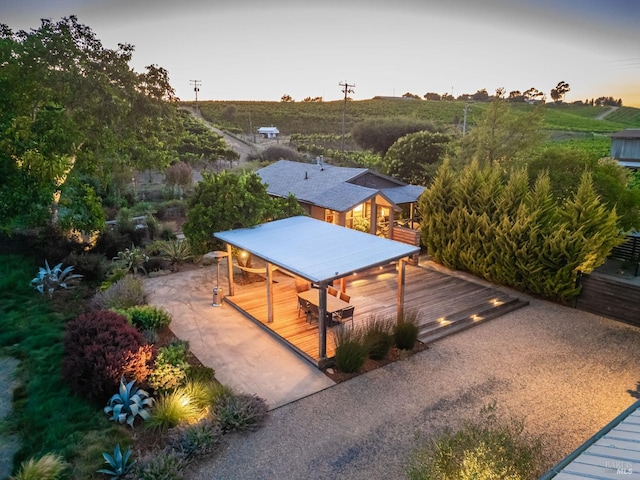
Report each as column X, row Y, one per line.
column 334, row 304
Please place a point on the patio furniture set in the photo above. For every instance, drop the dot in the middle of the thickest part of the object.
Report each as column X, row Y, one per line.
column 338, row 310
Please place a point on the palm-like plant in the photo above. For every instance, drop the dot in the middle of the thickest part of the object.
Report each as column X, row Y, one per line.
column 128, row 403
column 176, row 251
column 118, row 463
column 51, row 279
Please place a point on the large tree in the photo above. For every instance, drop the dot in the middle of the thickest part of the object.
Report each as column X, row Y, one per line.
column 565, row 165
column 501, row 134
column 70, row 106
column 379, row 135
column 558, row 93
column 225, row 200
column 415, row 157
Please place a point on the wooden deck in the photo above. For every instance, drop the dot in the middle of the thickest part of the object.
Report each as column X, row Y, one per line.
column 443, row 303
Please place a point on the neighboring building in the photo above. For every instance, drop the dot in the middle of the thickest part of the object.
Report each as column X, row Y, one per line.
column 625, row 147
column 351, row 197
column 613, row 452
column 269, row 132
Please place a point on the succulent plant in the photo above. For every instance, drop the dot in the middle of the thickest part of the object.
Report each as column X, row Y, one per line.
column 118, row 462
column 50, row 279
column 132, row 259
column 128, row 403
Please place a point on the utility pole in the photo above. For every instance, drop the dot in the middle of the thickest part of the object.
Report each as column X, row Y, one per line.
column 346, row 89
column 464, row 124
column 196, row 88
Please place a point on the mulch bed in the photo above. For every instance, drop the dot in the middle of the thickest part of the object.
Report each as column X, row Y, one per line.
column 394, row 355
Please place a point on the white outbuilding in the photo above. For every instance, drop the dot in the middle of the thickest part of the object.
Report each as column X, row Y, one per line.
column 269, row 132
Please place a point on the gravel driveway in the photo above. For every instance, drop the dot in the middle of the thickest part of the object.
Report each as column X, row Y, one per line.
column 566, row 373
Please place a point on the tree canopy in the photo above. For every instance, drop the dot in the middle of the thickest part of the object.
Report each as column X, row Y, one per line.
column 415, row 157
column 225, row 200
column 379, row 135
column 501, row 135
column 69, row 107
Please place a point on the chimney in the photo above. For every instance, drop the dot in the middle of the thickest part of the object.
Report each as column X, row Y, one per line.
column 306, row 177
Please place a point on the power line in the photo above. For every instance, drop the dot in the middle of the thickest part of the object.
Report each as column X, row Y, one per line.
column 196, row 87
column 346, row 89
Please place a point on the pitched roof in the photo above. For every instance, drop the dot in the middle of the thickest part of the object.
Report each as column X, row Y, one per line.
column 329, row 186
column 629, row 133
column 316, row 250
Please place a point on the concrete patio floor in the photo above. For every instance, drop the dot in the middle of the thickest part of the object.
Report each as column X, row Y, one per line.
column 244, row 356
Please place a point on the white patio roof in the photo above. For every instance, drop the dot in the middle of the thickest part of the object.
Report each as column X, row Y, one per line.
column 316, row 250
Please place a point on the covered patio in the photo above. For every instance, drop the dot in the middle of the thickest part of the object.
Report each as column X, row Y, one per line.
column 319, row 253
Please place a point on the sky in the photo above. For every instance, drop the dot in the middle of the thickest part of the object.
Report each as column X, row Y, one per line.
column 262, row 50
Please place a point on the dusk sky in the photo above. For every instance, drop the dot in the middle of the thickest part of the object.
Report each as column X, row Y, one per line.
column 261, row 50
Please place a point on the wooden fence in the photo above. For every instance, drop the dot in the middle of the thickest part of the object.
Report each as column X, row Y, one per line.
column 606, row 296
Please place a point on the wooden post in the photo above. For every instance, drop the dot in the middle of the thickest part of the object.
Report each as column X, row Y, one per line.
column 230, row 269
column 343, row 284
column 269, row 293
column 322, row 326
column 373, row 223
column 401, row 276
column 391, row 220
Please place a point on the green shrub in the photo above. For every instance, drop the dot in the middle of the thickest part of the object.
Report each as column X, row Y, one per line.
column 378, row 337
column 92, row 266
column 239, row 412
column 485, row 450
column 172, row 409
column 123, row 294
column 148, row 317
column 170, row 370
column 165, row 376
column 176, row 352
column 201, row 373
column 47, row 467
column 351, row 352
column 161, row 465
column 406, row 331
column 197, row 440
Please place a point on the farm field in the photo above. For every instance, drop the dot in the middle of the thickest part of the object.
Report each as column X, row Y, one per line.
column 326, row 117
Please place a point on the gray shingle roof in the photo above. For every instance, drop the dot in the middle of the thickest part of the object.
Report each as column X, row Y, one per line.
column 327, row 185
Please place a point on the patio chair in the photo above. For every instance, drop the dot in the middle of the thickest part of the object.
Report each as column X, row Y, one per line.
column 344, row 297
column 304, row 306
column 343, row 316
column 332, row 291
column 312, row 313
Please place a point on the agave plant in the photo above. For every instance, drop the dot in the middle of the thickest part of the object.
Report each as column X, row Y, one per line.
column 118, row 463
column 176, row 251
column 128, row 403
column 51, row 279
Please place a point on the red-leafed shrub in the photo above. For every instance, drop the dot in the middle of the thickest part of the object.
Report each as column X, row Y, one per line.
column 99, row 348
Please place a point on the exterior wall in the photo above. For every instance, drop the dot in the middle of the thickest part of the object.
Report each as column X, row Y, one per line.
column 625, row 148
column 317, row 213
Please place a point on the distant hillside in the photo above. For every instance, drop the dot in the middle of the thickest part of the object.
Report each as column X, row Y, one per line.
column 326, row 117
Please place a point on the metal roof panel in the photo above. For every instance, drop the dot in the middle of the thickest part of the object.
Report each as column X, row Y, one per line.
column 316, row 250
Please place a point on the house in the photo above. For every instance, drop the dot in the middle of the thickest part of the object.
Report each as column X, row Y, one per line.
column 269, row 132
column 625, row 147
column 357, row 198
